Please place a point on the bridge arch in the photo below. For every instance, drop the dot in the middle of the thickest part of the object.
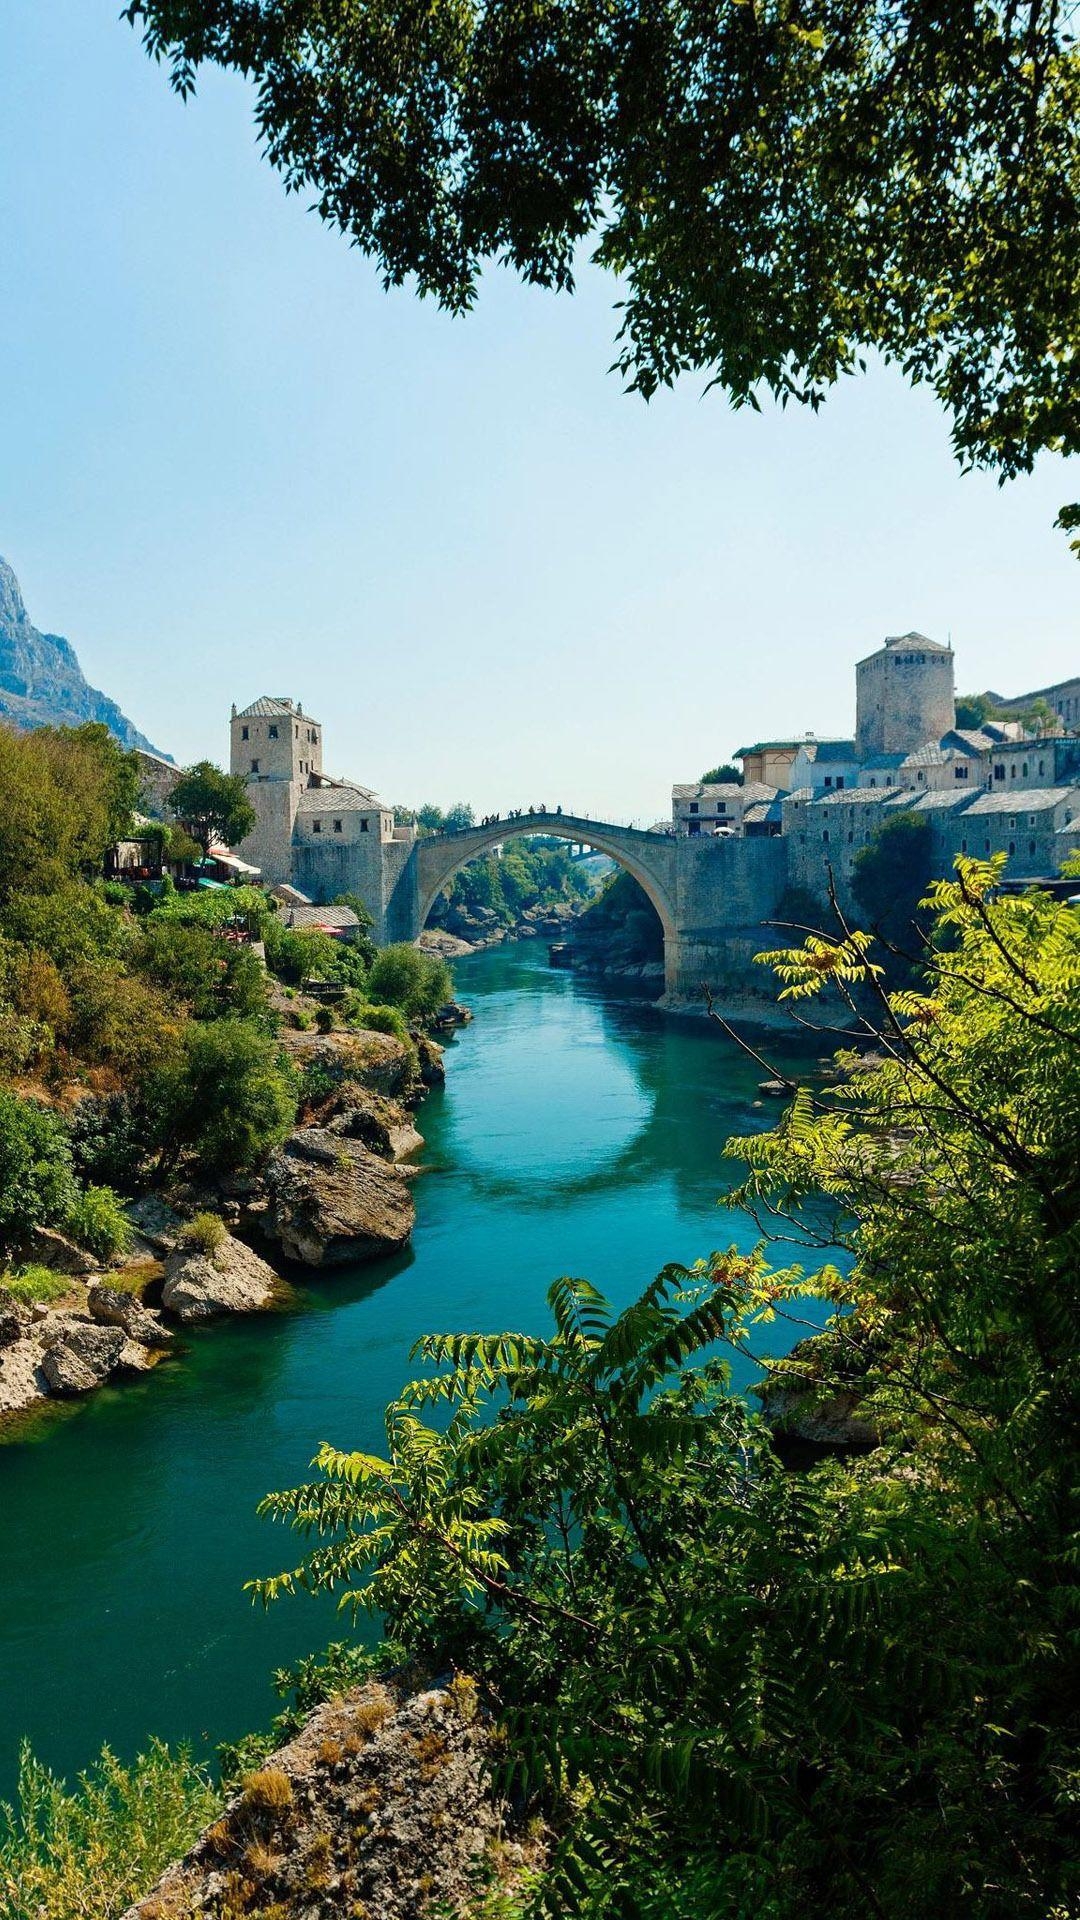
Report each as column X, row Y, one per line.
column 648, row 857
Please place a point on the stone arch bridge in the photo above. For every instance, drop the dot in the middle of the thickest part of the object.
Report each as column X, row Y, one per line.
column 704, row 890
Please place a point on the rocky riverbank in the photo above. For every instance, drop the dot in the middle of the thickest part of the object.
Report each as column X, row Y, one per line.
column 381, row 1807
column 474, row 929
column 335, row 1193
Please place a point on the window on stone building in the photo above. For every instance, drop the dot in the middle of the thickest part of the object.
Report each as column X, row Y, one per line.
column 1031, row 848
column 960, row 772
column 999, row 771
column 243, row 733
column 839, row 780
column 254, row 766
column 987, row 845
column 888, row 779
column 1023, row 771
column 825, row 833
column 363, row 826
column 693, row 806
column 337, row 826
column 1012, row 771
column 828, row 779
column 1012, row 846
column 1012, row 821
column 271, row 733
column 316, row 826
column 1042, row 766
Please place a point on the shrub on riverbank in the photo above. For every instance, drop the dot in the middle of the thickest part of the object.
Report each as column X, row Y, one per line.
column 87, row 1854
column 738, row 1688
column 416, row 983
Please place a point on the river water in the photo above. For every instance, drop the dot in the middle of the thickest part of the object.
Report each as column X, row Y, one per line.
column 577, row 1133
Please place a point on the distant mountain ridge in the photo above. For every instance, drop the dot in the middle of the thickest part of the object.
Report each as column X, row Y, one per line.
column 41, row 681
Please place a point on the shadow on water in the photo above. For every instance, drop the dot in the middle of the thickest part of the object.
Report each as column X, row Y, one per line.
column 576, row 1134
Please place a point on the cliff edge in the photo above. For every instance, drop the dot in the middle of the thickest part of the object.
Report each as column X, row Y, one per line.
column 41, row 681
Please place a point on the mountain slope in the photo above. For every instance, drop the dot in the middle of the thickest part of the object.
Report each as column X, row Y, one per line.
column 41, row 681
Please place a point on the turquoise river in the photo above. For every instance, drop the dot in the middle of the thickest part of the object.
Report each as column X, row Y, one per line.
column 577, row 1133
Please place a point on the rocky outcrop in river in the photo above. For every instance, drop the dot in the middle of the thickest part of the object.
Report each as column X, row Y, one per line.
column 332, row 1201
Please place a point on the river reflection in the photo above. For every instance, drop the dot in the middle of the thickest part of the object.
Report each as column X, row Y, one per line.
column 576, row 1134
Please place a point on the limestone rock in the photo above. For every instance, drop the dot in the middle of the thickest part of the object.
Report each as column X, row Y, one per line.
column 83, row 1356
column 155, row 1222
column 382, row 1125
column 48, row 1248
column 21, row 1379
column 381, row 1806
column 377, row 1061
column 430, row 1055
column 332, row 1201
column 232, row 1279
column 14, row 1318
column 111, row 1307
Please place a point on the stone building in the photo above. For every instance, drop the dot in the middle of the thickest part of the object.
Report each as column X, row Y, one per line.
column 716, row 808
column 904, row 695
column 323, row 836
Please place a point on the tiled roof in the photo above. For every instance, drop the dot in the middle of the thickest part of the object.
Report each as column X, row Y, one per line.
column 894, row 640
column 800, row 793
column 266, row 707
column 728, row 790
column 1024, row 800
column 928, row 756
column 763, row 810
column 818, row 750
column 855, row 796
column 770, row 746
column 338, row 796
column 301, row 917
column 941, row 802
column 974, row 737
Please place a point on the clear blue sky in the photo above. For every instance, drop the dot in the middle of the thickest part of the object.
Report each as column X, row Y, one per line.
column 232, row 465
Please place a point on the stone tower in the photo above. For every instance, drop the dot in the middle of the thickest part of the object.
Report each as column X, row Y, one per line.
column 904, row 695
column 277, row 749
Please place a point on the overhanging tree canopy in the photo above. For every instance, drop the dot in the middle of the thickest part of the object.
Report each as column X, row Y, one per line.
column 783, row 185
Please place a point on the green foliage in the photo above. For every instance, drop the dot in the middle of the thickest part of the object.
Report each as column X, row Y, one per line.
column 891, row 875
column 67, row 794
column 324, row 1019
column 209, row 975
column 230, row 1097
column 297, row 955
column 31, row 1283
column 723, row 775
column 927, row 167
column 382, row 1020
column 204, row 1233
column 212, row 805
column 37, row 1188
column 743, row 1690
column 97, row 1221
column 110, row 1136
column 416, row 983
column 87, row 1854
column 974, row 709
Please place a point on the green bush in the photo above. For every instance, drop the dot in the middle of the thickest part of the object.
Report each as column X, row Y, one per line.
column 37, row 1186
column 418, row 983
column 230, row 1098
column 87, row 1854
column 324, row 1019
column 98, row 1222
column 204, row 1233
column 33, row 1283
column 195, row 966
column 110, row 1136
column 382, row 1020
